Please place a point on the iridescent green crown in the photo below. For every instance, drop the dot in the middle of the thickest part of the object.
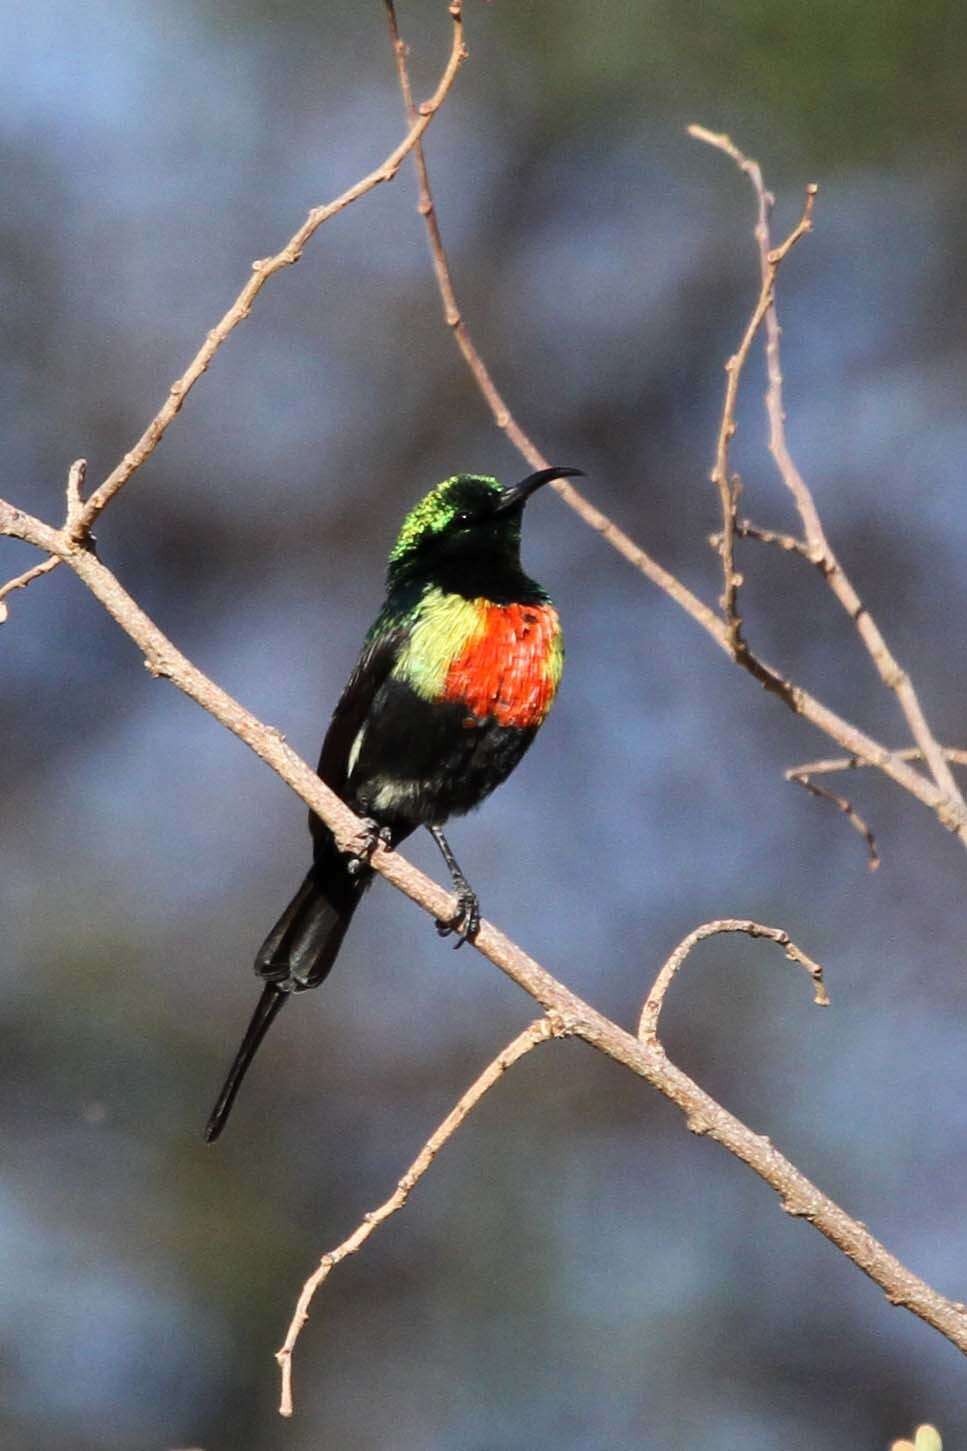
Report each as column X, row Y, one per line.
column 438, row 509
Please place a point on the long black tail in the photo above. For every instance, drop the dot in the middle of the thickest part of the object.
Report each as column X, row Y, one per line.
column 297, row 954
column 268, row 1005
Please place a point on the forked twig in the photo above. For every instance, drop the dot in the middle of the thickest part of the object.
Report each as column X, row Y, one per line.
column 953, row 809
column 800, row 701
column 802, row 776
column 727, row 486
column 648, row 1022
column 72, row 526
column 539, row 1032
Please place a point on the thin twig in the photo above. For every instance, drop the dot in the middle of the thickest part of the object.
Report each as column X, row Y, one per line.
column 797, row 1195
column 648, row 1023
column 727, row 486
column 75, row 484
column 539, row 1031
column 802, row 776
column 267, row 267
column 888, row 668
column 82, row 515
column 788, row 543
column 21, row 581
column 954, row 755
column 843, row 804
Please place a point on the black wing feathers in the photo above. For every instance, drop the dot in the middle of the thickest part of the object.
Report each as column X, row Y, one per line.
column 380, row 654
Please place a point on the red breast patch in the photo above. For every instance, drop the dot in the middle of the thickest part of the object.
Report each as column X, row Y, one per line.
column 508, row 671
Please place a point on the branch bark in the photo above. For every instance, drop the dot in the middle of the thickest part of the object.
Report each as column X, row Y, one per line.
column 797, row 1195
column 569, row 1014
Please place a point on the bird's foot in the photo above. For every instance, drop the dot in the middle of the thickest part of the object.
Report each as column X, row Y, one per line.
column 465, row 922
column 371, row 836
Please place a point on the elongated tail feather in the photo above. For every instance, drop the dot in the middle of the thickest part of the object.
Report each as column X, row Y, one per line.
column 297, row 954
column 268, row 1006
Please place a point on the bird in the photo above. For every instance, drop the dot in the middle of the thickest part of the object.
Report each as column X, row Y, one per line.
column 455, row 677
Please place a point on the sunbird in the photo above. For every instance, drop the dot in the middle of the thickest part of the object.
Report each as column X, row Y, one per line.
column 455, row 678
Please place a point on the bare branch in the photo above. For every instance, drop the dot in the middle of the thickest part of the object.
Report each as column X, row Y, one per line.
column 956, row 757
column 788, row 543
column 727, row 486
column 504, row 419
column 648, row 1023
column 798, row 700
column 820, row 552
column 75, row 484
column 21, row 581
column 82, row 520
column 703, row 1115
column 539, row 1031
column 842, row 803
column 266, row 268
column 802, row 776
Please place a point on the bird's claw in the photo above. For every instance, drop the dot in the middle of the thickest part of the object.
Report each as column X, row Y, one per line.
column 371, row 836
column 465, row 922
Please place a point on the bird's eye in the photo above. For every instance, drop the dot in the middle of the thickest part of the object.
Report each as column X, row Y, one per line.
column 463, row 518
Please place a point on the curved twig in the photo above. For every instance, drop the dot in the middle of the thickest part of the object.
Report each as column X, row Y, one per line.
column 648, row 1023
column 843, row 804
column 21, row 581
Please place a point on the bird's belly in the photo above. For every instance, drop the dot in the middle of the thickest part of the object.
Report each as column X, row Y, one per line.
column 444, row 764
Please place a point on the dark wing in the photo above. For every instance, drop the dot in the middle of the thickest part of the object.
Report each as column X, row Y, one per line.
column 380, row 653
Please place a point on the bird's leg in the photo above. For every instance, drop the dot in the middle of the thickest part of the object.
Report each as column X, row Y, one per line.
column 370, row 837
column 466, row 921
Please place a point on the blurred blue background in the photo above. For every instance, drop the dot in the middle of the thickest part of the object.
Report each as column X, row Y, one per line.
column 577, row 1271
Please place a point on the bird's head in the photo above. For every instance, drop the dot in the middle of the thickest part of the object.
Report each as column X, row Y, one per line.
column 469, row 518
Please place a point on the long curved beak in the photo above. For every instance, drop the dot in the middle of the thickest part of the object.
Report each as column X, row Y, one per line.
column 520, row 493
